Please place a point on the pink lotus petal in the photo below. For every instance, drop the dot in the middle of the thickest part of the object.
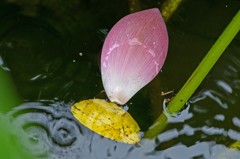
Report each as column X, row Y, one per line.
column 133, row 53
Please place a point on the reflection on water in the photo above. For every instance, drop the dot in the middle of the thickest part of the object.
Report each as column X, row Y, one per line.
column 179, row 117
column 42, row 53
column 204, row 129
column 48, row 129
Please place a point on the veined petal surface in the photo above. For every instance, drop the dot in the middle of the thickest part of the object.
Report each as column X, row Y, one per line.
column 133, row 53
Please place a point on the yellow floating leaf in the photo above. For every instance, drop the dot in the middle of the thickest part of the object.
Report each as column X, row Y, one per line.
column 236, row 145
column 107, row 119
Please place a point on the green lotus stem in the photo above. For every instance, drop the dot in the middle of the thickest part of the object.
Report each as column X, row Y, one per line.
column 198, row 75
column 8, row 94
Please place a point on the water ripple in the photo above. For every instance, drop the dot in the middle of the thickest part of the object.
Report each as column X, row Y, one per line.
column 50, row 131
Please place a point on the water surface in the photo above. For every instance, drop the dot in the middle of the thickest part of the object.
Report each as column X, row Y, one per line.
column 52, row 53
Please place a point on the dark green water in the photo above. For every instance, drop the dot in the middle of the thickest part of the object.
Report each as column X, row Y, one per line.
column 52, row 51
